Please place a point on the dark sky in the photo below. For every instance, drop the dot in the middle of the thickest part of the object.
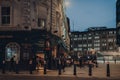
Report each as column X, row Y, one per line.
column 91, row 13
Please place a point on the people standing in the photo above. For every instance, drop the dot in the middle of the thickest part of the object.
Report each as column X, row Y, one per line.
column 80, row 61
column 17, row 67
column 3, row 66
column 115, row 60
column 37, row 63
column 30, row 66
column 12, row 64
column 63, row 63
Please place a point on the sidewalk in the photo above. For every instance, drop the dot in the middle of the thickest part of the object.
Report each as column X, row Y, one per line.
column 99, row 72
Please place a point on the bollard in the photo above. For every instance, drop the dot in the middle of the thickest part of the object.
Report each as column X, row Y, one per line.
column 103, row 60
column 59, row 71
column 3, row 67
column 90, row 68
column 115, row 61
column 45, row 67
column 108, row 70
column 30, row 67
column 74, row 73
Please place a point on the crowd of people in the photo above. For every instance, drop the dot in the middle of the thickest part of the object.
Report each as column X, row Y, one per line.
column 88, row 59
column 34, row 63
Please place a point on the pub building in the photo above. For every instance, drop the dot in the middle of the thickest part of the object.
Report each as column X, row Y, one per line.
column 29, row 44
column 27, row 30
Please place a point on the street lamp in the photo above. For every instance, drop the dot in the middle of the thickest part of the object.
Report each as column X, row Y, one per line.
column 51, row 15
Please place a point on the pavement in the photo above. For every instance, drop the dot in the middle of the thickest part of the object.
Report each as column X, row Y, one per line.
column 98, row 73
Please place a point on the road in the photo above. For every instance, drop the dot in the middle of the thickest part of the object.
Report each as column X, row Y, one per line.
column 81, row 74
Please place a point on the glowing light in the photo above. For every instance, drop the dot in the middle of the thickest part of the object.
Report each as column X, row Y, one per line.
column 67, row 3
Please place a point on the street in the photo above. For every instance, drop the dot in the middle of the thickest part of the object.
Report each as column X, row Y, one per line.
column 81, row 73
column 50, row 78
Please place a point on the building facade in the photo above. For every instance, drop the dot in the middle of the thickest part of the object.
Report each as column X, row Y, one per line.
column 33, row 27
column 118, row 21
column 100, row 39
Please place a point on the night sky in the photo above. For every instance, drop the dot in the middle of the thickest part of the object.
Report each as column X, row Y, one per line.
column 91, row 13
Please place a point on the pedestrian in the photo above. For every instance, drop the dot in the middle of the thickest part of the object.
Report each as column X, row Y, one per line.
column 37, row 63
column 34, row 63
column 80, row 61
column 104, row 60
column 12, row 64
column 63, row 63
column 30, row 66
column 17, row 67
column 3, row 66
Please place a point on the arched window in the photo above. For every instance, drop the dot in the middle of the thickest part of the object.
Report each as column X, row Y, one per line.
column 12, row 49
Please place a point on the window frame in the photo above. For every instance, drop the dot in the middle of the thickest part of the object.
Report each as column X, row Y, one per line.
column 5, row 15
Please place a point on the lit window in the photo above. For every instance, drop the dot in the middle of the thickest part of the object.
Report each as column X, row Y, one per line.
column 41, row 22
column 84, row 45
column 75, row 49
column 97, row 48
column 79, row 45
column 96, row 44
column 76, row 35
column 75, row 38
column 97, row 37
column 89, row 37
column 89, row 45
column 80, row 49
column 95, row 41
column 12, row 49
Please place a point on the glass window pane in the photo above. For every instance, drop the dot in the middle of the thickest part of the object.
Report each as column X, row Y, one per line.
column 5, row 13
column 5, row 10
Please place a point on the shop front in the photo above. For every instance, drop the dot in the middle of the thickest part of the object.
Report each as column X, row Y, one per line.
column 22, row 44
column 29, row 44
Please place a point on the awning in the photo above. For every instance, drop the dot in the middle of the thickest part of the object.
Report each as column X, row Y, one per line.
column 55, row 40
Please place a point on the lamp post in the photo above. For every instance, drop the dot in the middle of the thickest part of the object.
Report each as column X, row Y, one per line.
column 48, row 53
column 51, row 15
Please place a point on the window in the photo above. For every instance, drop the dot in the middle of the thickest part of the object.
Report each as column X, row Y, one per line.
column 110, row 40
column 76, row 35
column 12, row 49
column 110, row 32
column 89, row 37
column 114, row 32
column 97, row 48
column 96, row 37
column 84, row 38
column 96, row 41
column 97, row 44
column 89, row 45
column 41, row 23
column 104, row 44
column 75, row 49
column 80, row 49
column 80, row 35
column 79, row 38
column 75, row 38
column 111, row 48
column 79, row 45
column 5, row 14
column 84, row 45
column 89, row 34
column 118, row 31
